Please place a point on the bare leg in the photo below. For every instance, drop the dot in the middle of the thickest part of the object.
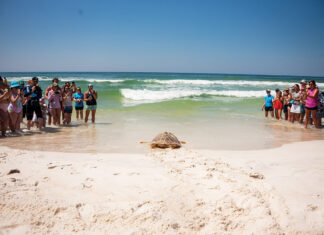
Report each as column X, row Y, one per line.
column 4, row 117
column 77, row 114
column 307, row 117
column 86, row 116
column 68, row 117
column 319, row 122
column 292, row 117
column 20, row 117
column 279, row 114
column 50, row 119
column 81, row 114
column 40, row 123
column 266, row 114
column 93, row 113
column 52, row 111
column 13, row 118
column 29, row 124
column 272, row 115
column 314, row 118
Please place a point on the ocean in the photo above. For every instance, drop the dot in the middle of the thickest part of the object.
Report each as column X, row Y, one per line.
column 221, row 111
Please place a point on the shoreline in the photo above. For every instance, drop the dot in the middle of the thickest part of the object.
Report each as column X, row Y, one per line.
column 112, row 133
column 278, row 190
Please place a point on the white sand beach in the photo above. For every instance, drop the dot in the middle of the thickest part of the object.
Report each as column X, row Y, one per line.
column 184, row 191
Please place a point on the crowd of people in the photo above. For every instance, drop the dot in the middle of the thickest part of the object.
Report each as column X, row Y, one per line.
column 19, row 100
column 299, row 102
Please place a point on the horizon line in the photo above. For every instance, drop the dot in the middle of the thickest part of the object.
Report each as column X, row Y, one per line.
column 216, row 73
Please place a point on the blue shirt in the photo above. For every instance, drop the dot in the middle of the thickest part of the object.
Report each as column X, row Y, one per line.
column 78, row 96
column 268, row 100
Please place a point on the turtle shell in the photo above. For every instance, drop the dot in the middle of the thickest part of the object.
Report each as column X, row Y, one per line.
column 165, row 140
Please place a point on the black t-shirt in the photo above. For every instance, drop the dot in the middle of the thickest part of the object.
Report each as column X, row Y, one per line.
column 92, row 101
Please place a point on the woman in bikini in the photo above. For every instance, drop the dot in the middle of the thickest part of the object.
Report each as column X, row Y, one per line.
column 15, row 107
column 277, row 104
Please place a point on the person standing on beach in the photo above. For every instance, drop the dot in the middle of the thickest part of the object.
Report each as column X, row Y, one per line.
column 67, row 104
column 286, row 106
column 33, row 94
column 303, row 96
column 78, row 98
column 277, row 104
column 54, row 101
column 320, row 109
column 4, row 103
column 311, row 103
column 295, row 108
column 48, row 89
column 15, row 107
column 268, row 105
column 91, row 97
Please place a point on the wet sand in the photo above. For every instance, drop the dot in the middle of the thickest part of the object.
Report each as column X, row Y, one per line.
column 118, row 133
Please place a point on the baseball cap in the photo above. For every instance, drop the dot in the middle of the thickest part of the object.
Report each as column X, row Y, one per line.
column 303, row 81
column 268, row 90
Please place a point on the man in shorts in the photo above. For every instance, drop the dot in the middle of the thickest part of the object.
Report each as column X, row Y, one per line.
column 33, row 93
column 268, row 105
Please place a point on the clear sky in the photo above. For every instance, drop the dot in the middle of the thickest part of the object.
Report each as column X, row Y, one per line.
column 251, row 37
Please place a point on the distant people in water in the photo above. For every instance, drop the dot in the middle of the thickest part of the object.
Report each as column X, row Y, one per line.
column 268, row 104
column 91, row 97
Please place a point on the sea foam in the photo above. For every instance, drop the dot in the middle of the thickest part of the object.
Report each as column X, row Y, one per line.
column 151, row 95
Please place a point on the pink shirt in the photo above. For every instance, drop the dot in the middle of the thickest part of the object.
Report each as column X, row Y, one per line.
column 311, row 102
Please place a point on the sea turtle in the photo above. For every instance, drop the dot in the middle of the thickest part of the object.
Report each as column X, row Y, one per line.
column 166, row 140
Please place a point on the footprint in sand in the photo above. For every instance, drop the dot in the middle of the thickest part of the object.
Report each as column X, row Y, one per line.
column 86, row 185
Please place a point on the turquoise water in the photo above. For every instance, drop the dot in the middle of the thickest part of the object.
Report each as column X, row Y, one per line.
column 177, row 93
column 220, row 111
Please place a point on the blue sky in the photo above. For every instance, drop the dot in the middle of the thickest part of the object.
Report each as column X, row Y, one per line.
column 249, row 37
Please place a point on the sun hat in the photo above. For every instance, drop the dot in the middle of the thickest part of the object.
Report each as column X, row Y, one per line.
column 303, row 81
column 14, row 84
